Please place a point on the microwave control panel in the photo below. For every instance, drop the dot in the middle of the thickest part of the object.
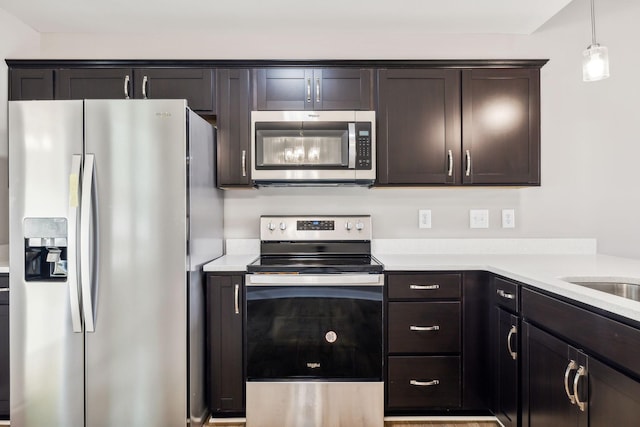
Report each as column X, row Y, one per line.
column 363, row 146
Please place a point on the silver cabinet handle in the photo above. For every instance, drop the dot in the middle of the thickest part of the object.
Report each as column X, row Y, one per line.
column 424, row 383
column 468, row 155
column 126, row 86
column 236, row 295
column 7, row 290
column 317, row 89
column 572, row 366
column 89, row 289
column 145, row 81
column 424, row 328
column 309, row 90
column 513, row 331
column 450, row 163
column 244, row 163
column 424, row 287
column 504, row 294
column 72, row 248
column 582, row 372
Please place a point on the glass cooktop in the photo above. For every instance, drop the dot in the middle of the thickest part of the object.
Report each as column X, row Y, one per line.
column 315, row 264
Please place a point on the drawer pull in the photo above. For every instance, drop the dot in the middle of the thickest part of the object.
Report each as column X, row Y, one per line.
column 582, row 372
column 572, row 366
column 4, row 290
column 424, row 383
column 424, row 287
column 424, row 328
column 506, row 295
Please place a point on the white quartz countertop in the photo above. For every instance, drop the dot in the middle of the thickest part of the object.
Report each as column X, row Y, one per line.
column 544, row 272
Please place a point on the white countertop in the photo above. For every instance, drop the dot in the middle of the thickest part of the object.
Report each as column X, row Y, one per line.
column 543, row 271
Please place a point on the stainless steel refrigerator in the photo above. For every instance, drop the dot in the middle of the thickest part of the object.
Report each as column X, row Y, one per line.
column 113, row 211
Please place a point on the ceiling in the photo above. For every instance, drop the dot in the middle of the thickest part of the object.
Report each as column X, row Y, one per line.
column 296, row 16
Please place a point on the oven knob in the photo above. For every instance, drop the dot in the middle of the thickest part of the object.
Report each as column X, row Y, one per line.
column 348, row 226
column 359, row 225
column 283, row 226
column 271, row 226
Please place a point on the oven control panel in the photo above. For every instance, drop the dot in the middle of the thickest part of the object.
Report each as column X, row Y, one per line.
column 312, row 228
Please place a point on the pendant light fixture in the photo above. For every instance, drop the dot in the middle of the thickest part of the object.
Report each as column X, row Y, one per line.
column 595, row 60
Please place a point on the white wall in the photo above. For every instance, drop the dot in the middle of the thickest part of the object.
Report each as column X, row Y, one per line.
column 589, row 143
column 16, row 39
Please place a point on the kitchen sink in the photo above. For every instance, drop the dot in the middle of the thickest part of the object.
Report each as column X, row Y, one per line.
column 623, row 287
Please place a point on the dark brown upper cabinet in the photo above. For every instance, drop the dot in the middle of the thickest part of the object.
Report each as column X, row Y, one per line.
column 196, row 85
column 471, row 127
column 501, row 126
column 30, row 84
column 418, row 140
column 94, row 83
column 313, row 89
column 233, row 123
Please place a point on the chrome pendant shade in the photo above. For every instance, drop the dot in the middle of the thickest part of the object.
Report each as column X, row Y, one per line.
column 595, row 59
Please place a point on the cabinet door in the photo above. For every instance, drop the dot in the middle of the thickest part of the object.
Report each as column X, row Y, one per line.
column 419, row 126
column 342, row 89
column 285, row 89
column 501, row 126
column 224, row 311
column 614, row 398
column 506, row 371
column 26, row 84
column 94, row 83
column 233, row 123
column 546, row 361
column 196, row 85
column 4, row 348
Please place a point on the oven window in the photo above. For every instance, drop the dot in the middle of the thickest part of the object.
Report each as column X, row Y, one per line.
column 279, row 147
column 314, row 332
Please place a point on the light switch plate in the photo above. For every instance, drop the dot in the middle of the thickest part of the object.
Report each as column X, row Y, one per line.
column 479, row 218
column 424, row 218
column 508, row 218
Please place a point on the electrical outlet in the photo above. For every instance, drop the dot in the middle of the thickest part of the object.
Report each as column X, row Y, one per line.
column 508, row 218
column 424, row 218
column 478, row 218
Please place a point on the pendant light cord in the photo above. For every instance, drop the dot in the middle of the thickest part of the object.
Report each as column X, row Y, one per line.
column 593, row 24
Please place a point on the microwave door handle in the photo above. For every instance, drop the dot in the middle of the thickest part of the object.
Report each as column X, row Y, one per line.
column 352, row 145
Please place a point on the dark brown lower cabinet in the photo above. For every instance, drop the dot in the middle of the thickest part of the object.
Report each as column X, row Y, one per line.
column 506, row 360
column 4, row 347
column 566, row 387
column 224, row 325
column 418, row 382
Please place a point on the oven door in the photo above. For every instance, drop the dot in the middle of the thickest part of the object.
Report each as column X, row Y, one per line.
column 314, row 327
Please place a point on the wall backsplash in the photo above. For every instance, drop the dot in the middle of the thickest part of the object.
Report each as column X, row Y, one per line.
column 394, row 211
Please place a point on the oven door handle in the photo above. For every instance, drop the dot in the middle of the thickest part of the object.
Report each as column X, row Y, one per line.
column 322, row 279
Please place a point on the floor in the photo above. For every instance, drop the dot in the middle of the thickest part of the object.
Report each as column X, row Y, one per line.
column 408, row 424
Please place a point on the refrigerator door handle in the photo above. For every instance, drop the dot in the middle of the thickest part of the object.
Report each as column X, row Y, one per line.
column 72, row 245
column 89, row 289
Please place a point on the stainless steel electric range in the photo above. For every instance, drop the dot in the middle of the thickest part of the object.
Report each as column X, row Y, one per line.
column 314, row 324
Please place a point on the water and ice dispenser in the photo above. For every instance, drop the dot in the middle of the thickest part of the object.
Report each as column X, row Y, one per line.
column 45, row 249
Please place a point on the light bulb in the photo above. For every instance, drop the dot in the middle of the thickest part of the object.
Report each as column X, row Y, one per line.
column 595, row 63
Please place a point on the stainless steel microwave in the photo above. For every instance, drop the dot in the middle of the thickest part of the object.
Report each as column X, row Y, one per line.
column 313, row 147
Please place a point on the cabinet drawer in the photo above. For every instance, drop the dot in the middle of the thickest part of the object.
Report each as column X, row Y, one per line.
column 424, row 327
column 506, row 294
column 425, row 286
column 423, row 382
column 4, row 287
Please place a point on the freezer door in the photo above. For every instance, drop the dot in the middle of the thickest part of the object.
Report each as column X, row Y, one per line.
column 136, row 357
column 46, row 355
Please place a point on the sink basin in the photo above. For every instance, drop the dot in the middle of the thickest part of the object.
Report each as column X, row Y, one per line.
column 623, row 287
